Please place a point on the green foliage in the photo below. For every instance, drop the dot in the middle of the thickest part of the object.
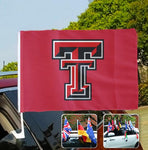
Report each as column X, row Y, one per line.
column 117, row 14
column 10, row 67
column 143, row 73
column 82, row 117
column 143, row 94
column 120, row 118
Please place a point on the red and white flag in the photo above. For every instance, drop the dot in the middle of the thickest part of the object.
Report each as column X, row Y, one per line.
column 78, row 70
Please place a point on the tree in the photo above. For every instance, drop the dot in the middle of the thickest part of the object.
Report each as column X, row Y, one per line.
column 143, row 94
column 120, row 14
column 10, row 67
column 117, row 14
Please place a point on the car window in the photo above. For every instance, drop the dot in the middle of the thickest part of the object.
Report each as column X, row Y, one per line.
column 120, row 132
column 46, row 126
column 8, row 140
column 130, row 132
column 12, row 96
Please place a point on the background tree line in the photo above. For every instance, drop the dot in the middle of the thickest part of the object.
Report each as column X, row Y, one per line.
column 121, row 14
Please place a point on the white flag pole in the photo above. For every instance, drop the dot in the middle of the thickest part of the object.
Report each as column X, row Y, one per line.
column 22, row 133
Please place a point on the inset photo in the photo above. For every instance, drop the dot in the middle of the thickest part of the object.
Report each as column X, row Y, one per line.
column 121, row 131
column 79, row 130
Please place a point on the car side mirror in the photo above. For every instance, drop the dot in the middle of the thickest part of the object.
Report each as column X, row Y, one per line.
column 111, row 134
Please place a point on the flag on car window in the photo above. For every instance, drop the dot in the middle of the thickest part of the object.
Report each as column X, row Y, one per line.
column 78, row 70
column 118, row 126
column 109, row 128
column 66, row 130
column 126, row 125
column 113, row 125
column 82, row 132
column 131, row 125
column 125, row 135
column 90, row 132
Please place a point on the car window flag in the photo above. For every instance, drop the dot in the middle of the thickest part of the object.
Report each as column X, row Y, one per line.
column 78, row 70
column 90, row 132
column 66, row 130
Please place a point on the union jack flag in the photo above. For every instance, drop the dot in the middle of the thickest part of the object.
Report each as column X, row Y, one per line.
column 66, row 130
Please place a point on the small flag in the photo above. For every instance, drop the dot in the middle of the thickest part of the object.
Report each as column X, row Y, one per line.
column 113, row 125
column 115, row 122
column 109, row 127
column 131, row 125
column 90, row 132
column 117, row 127
column 81, row 131
column 125, row 134
column 126, row 127
column 66, row 131
column 120, row 125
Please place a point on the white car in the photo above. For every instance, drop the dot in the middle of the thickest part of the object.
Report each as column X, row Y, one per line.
column 118, row 138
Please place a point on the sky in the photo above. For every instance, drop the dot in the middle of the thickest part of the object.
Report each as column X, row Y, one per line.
column 17, row 15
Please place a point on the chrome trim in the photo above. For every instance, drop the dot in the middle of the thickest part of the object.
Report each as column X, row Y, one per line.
column 7, row 73
column 8, row 89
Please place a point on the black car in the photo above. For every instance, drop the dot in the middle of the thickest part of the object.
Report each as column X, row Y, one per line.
column 42, row 129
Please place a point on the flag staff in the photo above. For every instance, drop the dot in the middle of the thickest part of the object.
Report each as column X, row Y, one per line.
column 20, row 135
column 77, row 124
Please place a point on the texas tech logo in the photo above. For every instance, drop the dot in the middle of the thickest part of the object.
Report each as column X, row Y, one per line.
column 77, row 56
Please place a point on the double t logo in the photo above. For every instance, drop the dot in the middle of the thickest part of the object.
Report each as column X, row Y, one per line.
column 77, row 56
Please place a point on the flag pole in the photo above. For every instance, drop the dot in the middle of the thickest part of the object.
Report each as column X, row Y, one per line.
column 22, row 133
column 77, row 125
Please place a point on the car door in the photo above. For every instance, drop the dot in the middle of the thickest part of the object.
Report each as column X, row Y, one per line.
column 112, row 140
column 9, row 121
column 131, row 139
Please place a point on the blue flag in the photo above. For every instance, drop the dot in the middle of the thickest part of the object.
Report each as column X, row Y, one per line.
column 131, row 125
column 126, row 127
column 90, row 132
column 109, row 128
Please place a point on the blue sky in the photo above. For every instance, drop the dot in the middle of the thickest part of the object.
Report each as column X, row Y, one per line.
column 17, row 15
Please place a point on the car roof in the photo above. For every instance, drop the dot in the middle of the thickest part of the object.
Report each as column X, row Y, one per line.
column 6, row 83
column 6, row 79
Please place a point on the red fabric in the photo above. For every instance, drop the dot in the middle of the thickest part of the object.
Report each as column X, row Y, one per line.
column 114, row 82
column 80, row 127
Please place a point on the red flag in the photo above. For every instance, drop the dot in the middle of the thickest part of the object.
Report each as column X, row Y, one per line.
column 78, row 70
column 113, row 125
column 83, row 133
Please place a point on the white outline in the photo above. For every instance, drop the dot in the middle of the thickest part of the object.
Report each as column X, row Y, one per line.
column 77, row 114
column 87, row 84
column 64, row 41
column 82, row 66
